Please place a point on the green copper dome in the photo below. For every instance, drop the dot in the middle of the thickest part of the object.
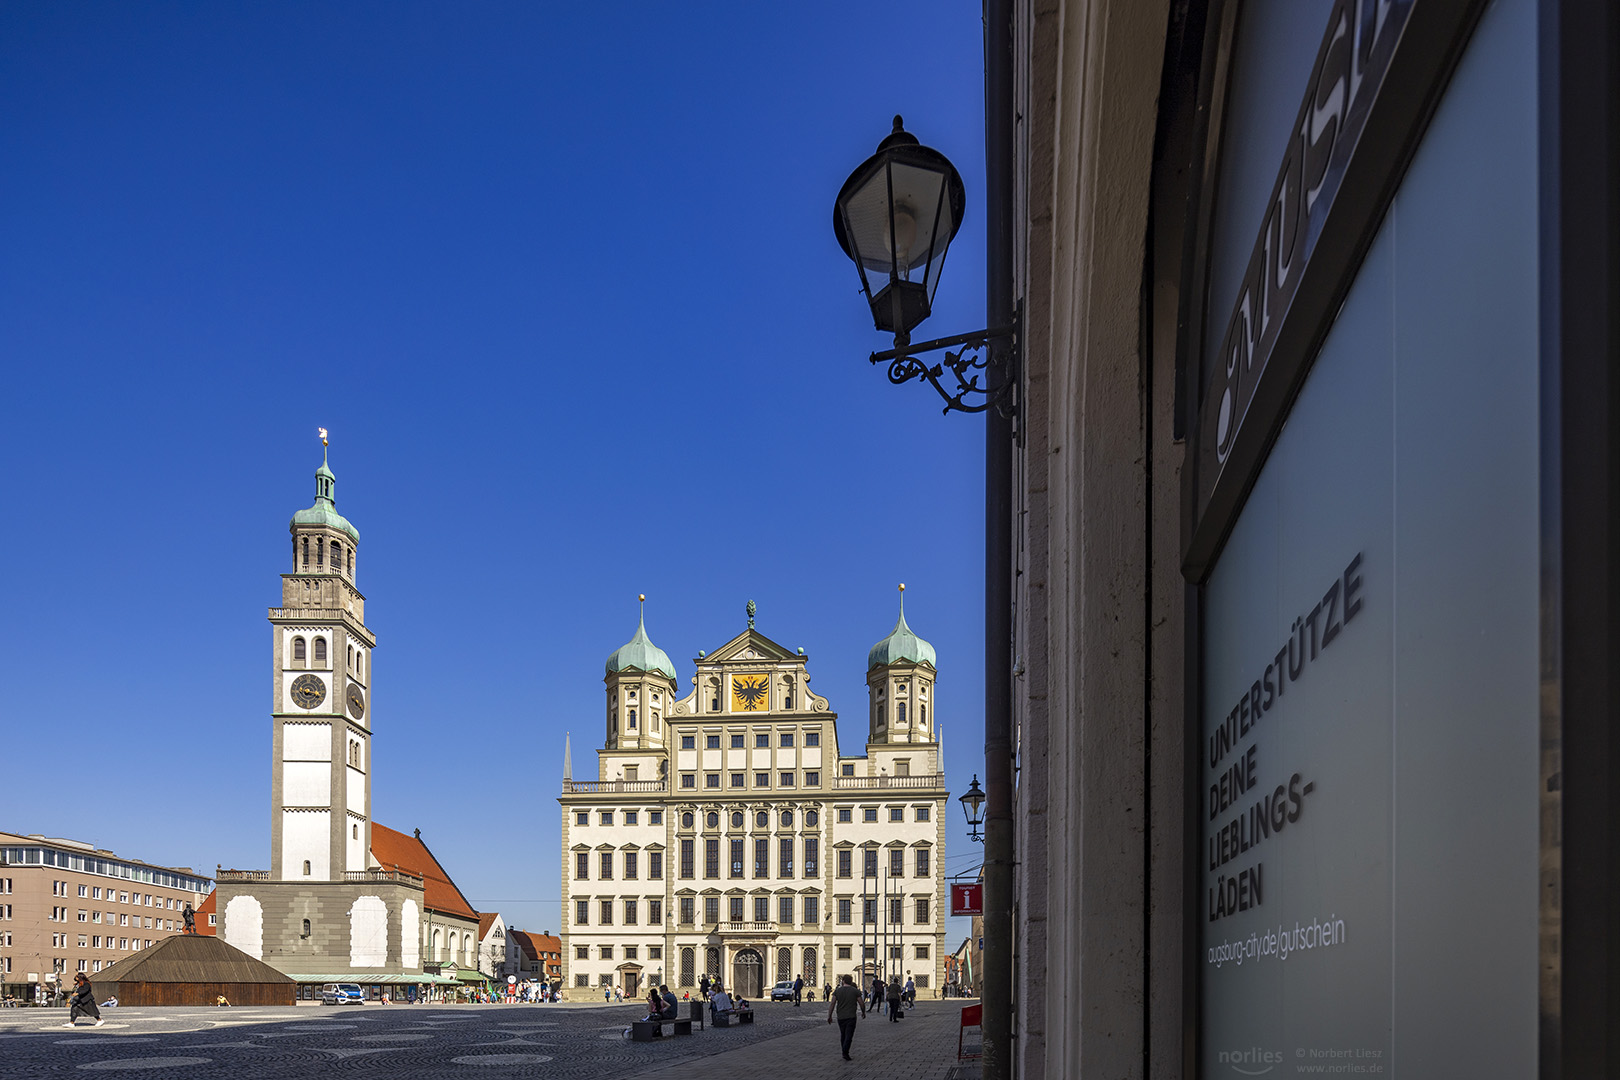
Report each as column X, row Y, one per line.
column 901, row 644
column 640, row 654
column 324, row 512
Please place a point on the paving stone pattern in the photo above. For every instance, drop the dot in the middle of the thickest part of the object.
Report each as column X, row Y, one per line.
column 486, row 1042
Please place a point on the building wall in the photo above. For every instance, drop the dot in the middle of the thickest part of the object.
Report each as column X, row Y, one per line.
column 56, row 918
column 358, row 927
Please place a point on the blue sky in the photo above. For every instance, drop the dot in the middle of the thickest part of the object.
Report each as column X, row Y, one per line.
column 561, row 281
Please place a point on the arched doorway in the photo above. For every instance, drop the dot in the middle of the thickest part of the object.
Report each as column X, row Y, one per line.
column 748, row 974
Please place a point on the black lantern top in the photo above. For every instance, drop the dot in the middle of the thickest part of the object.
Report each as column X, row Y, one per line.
column 973, row 806
column 896, row 216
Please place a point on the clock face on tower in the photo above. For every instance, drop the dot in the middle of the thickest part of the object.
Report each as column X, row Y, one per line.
column 308, row 691
column 748, row 693
column 357, row 702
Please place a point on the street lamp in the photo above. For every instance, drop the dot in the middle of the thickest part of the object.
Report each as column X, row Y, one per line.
column 895, row 218
column 973, row 807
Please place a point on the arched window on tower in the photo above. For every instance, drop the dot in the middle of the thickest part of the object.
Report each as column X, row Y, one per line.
column 320, row 650
column 351, row 562
column 922, row 714
column 295, row 552
column 306, row 868
column 300, row 652
column 337, row 556
column 882, row 719
column 320, row 552
column 632, row 720
column 351, row 657
column 306, row 553
column 900, row 714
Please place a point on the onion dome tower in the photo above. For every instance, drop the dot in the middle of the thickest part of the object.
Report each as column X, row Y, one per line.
column 900, row 677
column 640, row 690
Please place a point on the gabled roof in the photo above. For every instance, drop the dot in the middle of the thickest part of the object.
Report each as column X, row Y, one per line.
column 392, row 849
column 750, row 640
column 486, row 919
column 192, row 958
column 525, row 941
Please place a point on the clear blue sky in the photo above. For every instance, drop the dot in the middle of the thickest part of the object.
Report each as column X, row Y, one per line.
column 561, row 281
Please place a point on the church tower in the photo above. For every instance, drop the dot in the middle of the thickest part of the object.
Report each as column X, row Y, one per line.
column 320, row 790
column 640, row 682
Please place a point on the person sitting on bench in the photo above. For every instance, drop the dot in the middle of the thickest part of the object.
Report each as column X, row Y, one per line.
column 663, row 1008
column 721, row 1003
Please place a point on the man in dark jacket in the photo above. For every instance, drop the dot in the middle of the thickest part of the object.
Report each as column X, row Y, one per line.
column 82, row 1000
column 798, row 991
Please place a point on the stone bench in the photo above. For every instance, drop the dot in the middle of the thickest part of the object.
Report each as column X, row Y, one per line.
column 648, row 1030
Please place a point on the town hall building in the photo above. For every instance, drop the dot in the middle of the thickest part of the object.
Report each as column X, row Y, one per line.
column 725, row 835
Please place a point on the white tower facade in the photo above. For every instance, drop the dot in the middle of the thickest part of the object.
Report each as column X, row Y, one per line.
column 320, row 793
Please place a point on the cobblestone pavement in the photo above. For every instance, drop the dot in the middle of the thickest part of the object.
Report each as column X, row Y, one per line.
column 416, row 1042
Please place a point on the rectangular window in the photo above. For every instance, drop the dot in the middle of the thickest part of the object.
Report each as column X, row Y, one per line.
column 786, row 780
column 897, row 813
column 844, row 862
column 737, row 779
column 895, row 952
column 785, row 857
column 736, row 858
column 688, row 910
column 632, row 952
column 812, row 911
column 897, row 862
column 762, row 858
column 714, row 742
column 869, row 910
column 655, row 817
column 848, row 768
column 630, row 816
column 84, row 890
column 844, row 952
column 922, row 862
column 711, row 780
column 607, row 817
column 655, row 865
column 762, row 779
column 737, row 742
column 812, row 856
column 762, row 739
column 606, row 872
column 812, row 779
column 812, row 738
column 762, row 909
column 784, row 910
column 582, row 980
column 736, row 909
column 655, row 952
column 844, row 817
column 582, row 952
column 922, row 909
column 688, row 780
column 630, row 913
column 582, row 865
column 687, row 870
column 896, row 911
column 84, row 916
column 711, row 857
column 630, row 865
column 711, row 909
column 869, row 813
column 688, row 742
column 605, row 952
column 845, row 910
column 922, row 813
column 582, row 912
column 869, row 863
column 655, row 913
column 605, row 915
column 787, row 738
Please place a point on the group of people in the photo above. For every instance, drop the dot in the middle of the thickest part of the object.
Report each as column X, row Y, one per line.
column 847, row 1000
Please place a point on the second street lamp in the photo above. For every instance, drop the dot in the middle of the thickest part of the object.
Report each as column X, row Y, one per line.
column 973, row 806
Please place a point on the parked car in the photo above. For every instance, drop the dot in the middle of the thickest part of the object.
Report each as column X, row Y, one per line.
column 782, row 991
column 342, row 994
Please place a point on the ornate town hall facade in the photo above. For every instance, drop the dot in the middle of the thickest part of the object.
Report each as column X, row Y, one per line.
column 725, row 835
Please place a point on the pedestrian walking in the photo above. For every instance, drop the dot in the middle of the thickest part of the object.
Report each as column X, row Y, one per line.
column 82, row 1000
column 843, row 1002
column 703, row 986
column 893, row 993
column 798, row 991
column 826, row 991
column 911, row 991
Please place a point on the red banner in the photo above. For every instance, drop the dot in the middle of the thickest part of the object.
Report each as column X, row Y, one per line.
column 967, row 899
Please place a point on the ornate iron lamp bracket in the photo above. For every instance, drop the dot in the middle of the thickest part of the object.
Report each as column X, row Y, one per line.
column 968, row 366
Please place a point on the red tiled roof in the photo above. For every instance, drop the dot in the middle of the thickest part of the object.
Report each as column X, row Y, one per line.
column 486, row 919
column 525, row 942
column 549, row 943
column 396, row 849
